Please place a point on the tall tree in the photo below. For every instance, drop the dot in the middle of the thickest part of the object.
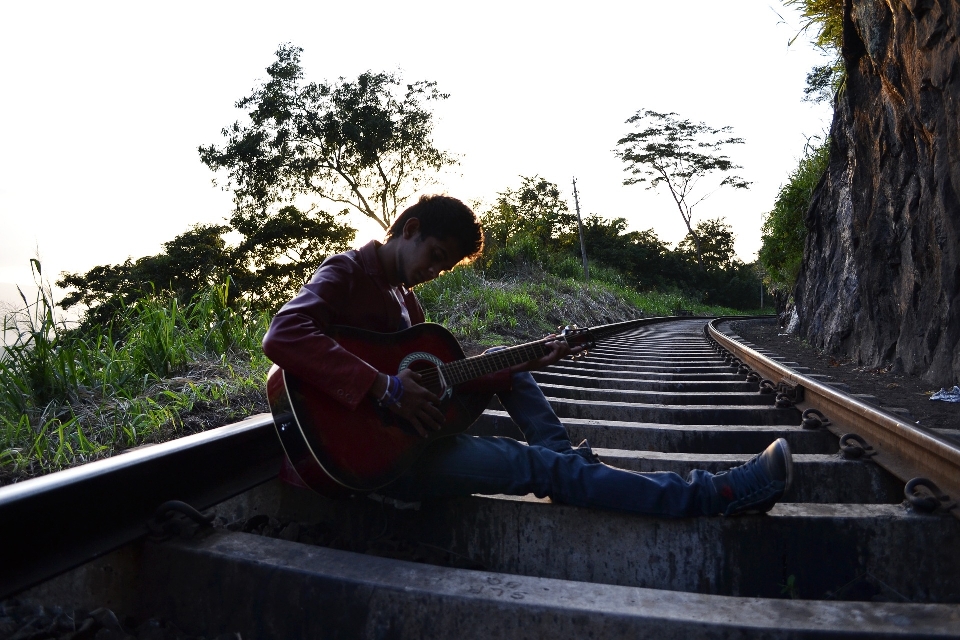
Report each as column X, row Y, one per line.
column 678, row 153
column 535, row 209
column 716, row 243
column 365, row 144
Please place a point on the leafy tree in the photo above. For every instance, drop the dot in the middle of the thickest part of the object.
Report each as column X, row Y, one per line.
column 641, row 255
column 272, row 260
column 606, row 241
column 737, row 285
column 535, row 209
column 783, row 233
column 280, row 253
column 188, row 263
column 679, row 154
column 365, row 144
column 716, row 244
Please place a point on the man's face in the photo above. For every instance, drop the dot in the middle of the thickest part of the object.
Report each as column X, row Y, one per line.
column 422, row 259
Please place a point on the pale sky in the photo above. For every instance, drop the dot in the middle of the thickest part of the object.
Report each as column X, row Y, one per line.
column 105, row 103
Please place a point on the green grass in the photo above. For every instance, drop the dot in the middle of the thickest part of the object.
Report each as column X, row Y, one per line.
column 487, row 312
column 166, row 368
column 67, row 397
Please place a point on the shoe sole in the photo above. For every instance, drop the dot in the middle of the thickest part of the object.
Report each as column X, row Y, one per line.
column 788, row 460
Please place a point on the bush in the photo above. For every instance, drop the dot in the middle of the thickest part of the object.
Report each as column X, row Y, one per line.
column 783, row 233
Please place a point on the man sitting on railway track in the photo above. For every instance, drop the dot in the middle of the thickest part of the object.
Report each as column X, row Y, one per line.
column 369, row 288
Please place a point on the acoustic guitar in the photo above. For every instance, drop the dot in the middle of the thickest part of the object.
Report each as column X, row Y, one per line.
column 335, row 449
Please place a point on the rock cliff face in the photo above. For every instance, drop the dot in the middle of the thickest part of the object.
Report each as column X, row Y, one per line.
column 881, row 279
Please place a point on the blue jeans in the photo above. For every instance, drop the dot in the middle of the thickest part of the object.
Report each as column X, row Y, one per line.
column 547, row 466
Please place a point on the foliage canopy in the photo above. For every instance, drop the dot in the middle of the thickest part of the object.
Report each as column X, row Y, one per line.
column 269, row 264
column 716, row 244
column 783, row 233
column 365, row 144
column 536, row 209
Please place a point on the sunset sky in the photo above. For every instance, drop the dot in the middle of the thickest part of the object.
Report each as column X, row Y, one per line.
column 105, row 103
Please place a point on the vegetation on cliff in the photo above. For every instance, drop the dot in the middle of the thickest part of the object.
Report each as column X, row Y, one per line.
column 784, row 234
column 825, row 18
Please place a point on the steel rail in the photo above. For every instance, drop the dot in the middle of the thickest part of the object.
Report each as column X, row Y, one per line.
column 904, row 449
column 56, row 522
column 51, row 524
column 59, row 521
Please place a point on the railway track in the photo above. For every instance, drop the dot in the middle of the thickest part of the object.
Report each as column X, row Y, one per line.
column 843, row 555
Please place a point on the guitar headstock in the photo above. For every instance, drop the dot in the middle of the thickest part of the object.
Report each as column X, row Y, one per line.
column 577, row 337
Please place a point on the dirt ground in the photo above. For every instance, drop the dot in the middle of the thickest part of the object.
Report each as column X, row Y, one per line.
column 892, row 389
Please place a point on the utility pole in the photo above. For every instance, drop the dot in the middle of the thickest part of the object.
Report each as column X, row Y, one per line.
column 583, row 247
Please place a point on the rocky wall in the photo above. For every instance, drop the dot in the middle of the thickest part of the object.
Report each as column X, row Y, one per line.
column 881, row 275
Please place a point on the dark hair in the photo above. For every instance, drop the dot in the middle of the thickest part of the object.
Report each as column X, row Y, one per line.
column 443, row 217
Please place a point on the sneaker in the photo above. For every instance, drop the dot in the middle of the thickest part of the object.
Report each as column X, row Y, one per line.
column 755, row 486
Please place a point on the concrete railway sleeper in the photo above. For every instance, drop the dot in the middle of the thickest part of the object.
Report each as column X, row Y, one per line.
column 842, row 555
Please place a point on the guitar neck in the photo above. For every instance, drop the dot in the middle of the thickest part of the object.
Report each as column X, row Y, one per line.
column 460, row 371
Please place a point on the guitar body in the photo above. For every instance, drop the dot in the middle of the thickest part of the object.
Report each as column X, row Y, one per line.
column 335, row 449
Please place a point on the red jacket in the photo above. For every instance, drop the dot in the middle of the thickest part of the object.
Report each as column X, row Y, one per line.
column 348, row 289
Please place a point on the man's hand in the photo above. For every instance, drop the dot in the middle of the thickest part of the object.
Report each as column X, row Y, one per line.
column 559, row 349
column 418, row 405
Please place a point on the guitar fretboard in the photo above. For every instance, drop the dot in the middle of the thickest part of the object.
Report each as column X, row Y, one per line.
column 460, row 371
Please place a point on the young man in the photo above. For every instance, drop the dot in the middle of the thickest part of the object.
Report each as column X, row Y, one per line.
column 369, row 288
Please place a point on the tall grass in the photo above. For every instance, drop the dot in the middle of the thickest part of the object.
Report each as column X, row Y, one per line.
column 67, row 396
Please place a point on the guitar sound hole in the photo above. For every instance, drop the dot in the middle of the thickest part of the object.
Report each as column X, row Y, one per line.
column 430, row 379
column 430, row 375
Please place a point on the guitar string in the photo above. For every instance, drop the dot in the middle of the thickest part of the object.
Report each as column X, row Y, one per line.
column 458, row 371
column 495, row 361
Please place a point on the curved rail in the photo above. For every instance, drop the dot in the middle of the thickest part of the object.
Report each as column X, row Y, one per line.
column 59, row 521
column 76, row 515
column 906, row 450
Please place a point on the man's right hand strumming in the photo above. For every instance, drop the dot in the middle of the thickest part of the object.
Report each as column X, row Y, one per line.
column 417, row 404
